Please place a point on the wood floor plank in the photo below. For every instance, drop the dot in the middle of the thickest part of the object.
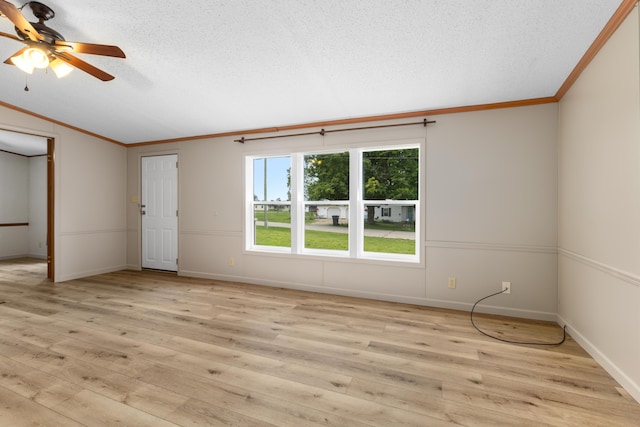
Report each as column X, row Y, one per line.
column 198, row 413
column 617, row 411
column 552, row 374
column 525, row 406
column 432, row 405
column 151, row 348
column 382, row 367
column 321, row 378
column 18, row 411
column 251, row 403
column 39, row 387
column 90, row 408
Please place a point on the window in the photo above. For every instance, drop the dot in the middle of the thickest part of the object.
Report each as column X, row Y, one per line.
column 356, row 203
column 391, row 187
column 271, row 208
column 326, row 187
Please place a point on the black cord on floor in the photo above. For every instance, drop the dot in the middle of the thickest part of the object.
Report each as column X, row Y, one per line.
column 564, row 329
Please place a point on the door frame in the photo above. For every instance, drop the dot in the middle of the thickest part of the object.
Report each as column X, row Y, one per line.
column 51, row 209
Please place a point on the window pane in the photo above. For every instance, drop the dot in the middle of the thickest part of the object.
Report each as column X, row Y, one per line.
column 394, row 232
column 326, row 180
column 327, row 227
column 326, row 176
column 391, row 174
column 271, row 179
column 272, row 224
column 271, row 183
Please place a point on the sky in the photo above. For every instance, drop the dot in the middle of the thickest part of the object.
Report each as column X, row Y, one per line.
column 276, row 178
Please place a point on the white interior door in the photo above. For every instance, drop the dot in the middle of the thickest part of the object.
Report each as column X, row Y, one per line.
column 159, row 210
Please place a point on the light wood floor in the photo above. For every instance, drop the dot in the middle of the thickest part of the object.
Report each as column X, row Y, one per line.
column 153, row 349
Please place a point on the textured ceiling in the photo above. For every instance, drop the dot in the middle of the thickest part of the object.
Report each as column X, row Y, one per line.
column 204, row 66
column 20, row 143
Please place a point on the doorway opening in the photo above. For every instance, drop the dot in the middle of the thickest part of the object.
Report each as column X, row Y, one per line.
column 27, row 219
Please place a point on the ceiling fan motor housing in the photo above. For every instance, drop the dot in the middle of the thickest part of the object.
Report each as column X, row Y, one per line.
column 43, row 13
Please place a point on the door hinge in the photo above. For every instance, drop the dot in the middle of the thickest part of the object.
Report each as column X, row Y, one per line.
column 176, row 165
column 176, row 212
column 176, row 261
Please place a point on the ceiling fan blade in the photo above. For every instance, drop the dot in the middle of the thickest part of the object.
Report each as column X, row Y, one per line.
column 14, row 15
column 10, row 36
column 87, row 68
column 89, row 48
column 18, row 53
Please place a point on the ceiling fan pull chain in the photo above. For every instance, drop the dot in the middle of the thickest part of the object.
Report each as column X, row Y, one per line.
column 26, row 83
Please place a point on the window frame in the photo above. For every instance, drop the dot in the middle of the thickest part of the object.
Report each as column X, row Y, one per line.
column 355, row 205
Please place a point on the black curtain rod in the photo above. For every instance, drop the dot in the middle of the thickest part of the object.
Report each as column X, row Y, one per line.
column 425, row 122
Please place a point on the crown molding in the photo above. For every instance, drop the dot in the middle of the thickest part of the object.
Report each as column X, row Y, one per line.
column 612, row 25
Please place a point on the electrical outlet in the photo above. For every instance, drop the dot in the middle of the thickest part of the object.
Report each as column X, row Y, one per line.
column 506, row 287
column 452, row 283
column 232, row 261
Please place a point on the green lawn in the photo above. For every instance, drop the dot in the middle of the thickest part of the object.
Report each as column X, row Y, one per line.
column 281, row 236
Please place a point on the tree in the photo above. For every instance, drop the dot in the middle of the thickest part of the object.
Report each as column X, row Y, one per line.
column 326, row 176
column 391, row 174
column 387, row 174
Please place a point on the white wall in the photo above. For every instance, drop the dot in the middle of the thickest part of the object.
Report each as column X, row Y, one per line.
column 14, row 204
column 599, row 209
column 23, row 199
column 90, row 207
column 491, row 209
column 38, row 207
column 491, row 203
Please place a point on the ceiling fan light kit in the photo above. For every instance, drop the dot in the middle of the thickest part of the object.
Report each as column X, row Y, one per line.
column 60, row 68
column 22, row 63
column 46, row 47
column 30, row 58
column 36, row 57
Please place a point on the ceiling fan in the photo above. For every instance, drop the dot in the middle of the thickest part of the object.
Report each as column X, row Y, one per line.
column 45, row 47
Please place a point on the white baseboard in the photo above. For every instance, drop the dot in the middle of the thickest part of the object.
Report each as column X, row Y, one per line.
column 4, row 258
column 8, row 257
column 627, row 383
